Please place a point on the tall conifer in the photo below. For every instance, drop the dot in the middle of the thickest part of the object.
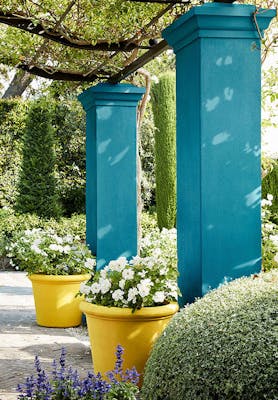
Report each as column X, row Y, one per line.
column 164, row 111
column 37, row 185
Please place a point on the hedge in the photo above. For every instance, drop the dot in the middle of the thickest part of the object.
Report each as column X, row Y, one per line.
column 223, row 346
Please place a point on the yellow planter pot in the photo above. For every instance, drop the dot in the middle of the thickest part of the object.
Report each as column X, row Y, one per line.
column 135, row 332
column 55, row 301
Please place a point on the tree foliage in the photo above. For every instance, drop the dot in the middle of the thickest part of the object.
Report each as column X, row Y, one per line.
column 12, row 124
column 164, row 112
column 86, row 40
column 37, row 184
column 72, row 34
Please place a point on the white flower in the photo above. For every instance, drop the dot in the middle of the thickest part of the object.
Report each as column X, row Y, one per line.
column 118, row 295
column 69, row 238
column 118, row 265
column 58, row 239
column 54, row 247
column 105, row 285
column 157, row 252
column 268, row 226
column 163, row 271
column 122, row 284
column 144, row 287
column 159, row 297
column 269, row 197
column 135, row 261
column 37, row 250
column 95, row 288
column 132, row 293
column 103, row 273
column 266, row 203
column 128, row 274
column 122, row 261
column 274, row 239
column 90, row 263
column 66, row 249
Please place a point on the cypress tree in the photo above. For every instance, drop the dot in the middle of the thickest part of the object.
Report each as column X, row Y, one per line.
column 37, row 185
column 163, row 100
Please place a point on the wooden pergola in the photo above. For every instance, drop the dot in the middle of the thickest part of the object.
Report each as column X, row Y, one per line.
column 136, row 48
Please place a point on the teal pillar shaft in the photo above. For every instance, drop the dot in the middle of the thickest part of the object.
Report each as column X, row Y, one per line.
column 217, row 50
column 111, row 196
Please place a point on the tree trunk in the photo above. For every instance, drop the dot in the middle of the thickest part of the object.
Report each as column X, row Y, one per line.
column 140, row 116
column 18, row 85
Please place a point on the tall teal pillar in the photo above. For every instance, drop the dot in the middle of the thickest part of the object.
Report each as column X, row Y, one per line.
column 218, row 66
column 111, row 196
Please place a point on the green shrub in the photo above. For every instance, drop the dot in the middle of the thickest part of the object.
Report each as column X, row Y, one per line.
column 147, row 160
column 12, row 224
column 269, row 236
column 69, row 123
column 164, row 113
column 270, row 186
column 37, row 184
column 148, row 222
column 12, row 124
column 224, row 346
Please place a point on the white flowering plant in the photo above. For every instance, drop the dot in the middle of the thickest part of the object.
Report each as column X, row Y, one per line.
column 161, row 244
column 140, row 282
column 269, row 236
column 39, row 251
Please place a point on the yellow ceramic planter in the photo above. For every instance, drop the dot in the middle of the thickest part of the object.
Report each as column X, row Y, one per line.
column 135, row 332
column 55, row 301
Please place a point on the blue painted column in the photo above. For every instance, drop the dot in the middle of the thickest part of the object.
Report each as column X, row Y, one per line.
column 111, row 196
column 217, row 50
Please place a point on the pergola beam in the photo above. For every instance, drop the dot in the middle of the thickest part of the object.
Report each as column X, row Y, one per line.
column 139, row 62
column 60, row 75
column 27, row 25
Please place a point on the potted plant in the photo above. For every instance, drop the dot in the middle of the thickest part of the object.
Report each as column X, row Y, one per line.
column 56, row 267
column 128, row 303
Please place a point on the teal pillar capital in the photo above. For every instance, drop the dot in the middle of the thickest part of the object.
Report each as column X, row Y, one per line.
column 111, row 195
column 218, row 68
column 124, row 95
column 218, row 20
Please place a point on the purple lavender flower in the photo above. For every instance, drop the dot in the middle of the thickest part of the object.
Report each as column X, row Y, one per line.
column 65, row 383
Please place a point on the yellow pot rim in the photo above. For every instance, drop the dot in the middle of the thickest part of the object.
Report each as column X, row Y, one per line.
column 59, row 278
column 126, row 313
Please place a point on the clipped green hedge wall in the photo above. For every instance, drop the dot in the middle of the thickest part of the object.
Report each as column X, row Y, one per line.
column 69, row 122
column 163, row 98
column 224, row 346
column 12, row 124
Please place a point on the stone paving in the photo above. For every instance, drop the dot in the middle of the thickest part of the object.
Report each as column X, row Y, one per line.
column 21, row 338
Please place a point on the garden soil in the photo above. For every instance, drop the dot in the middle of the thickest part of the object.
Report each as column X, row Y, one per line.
column 21, row 339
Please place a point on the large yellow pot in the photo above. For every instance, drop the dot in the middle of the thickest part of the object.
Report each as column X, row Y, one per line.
column 55, row 301
column 135, row 332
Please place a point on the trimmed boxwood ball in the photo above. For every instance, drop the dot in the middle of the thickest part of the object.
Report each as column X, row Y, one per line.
column 224, row 346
